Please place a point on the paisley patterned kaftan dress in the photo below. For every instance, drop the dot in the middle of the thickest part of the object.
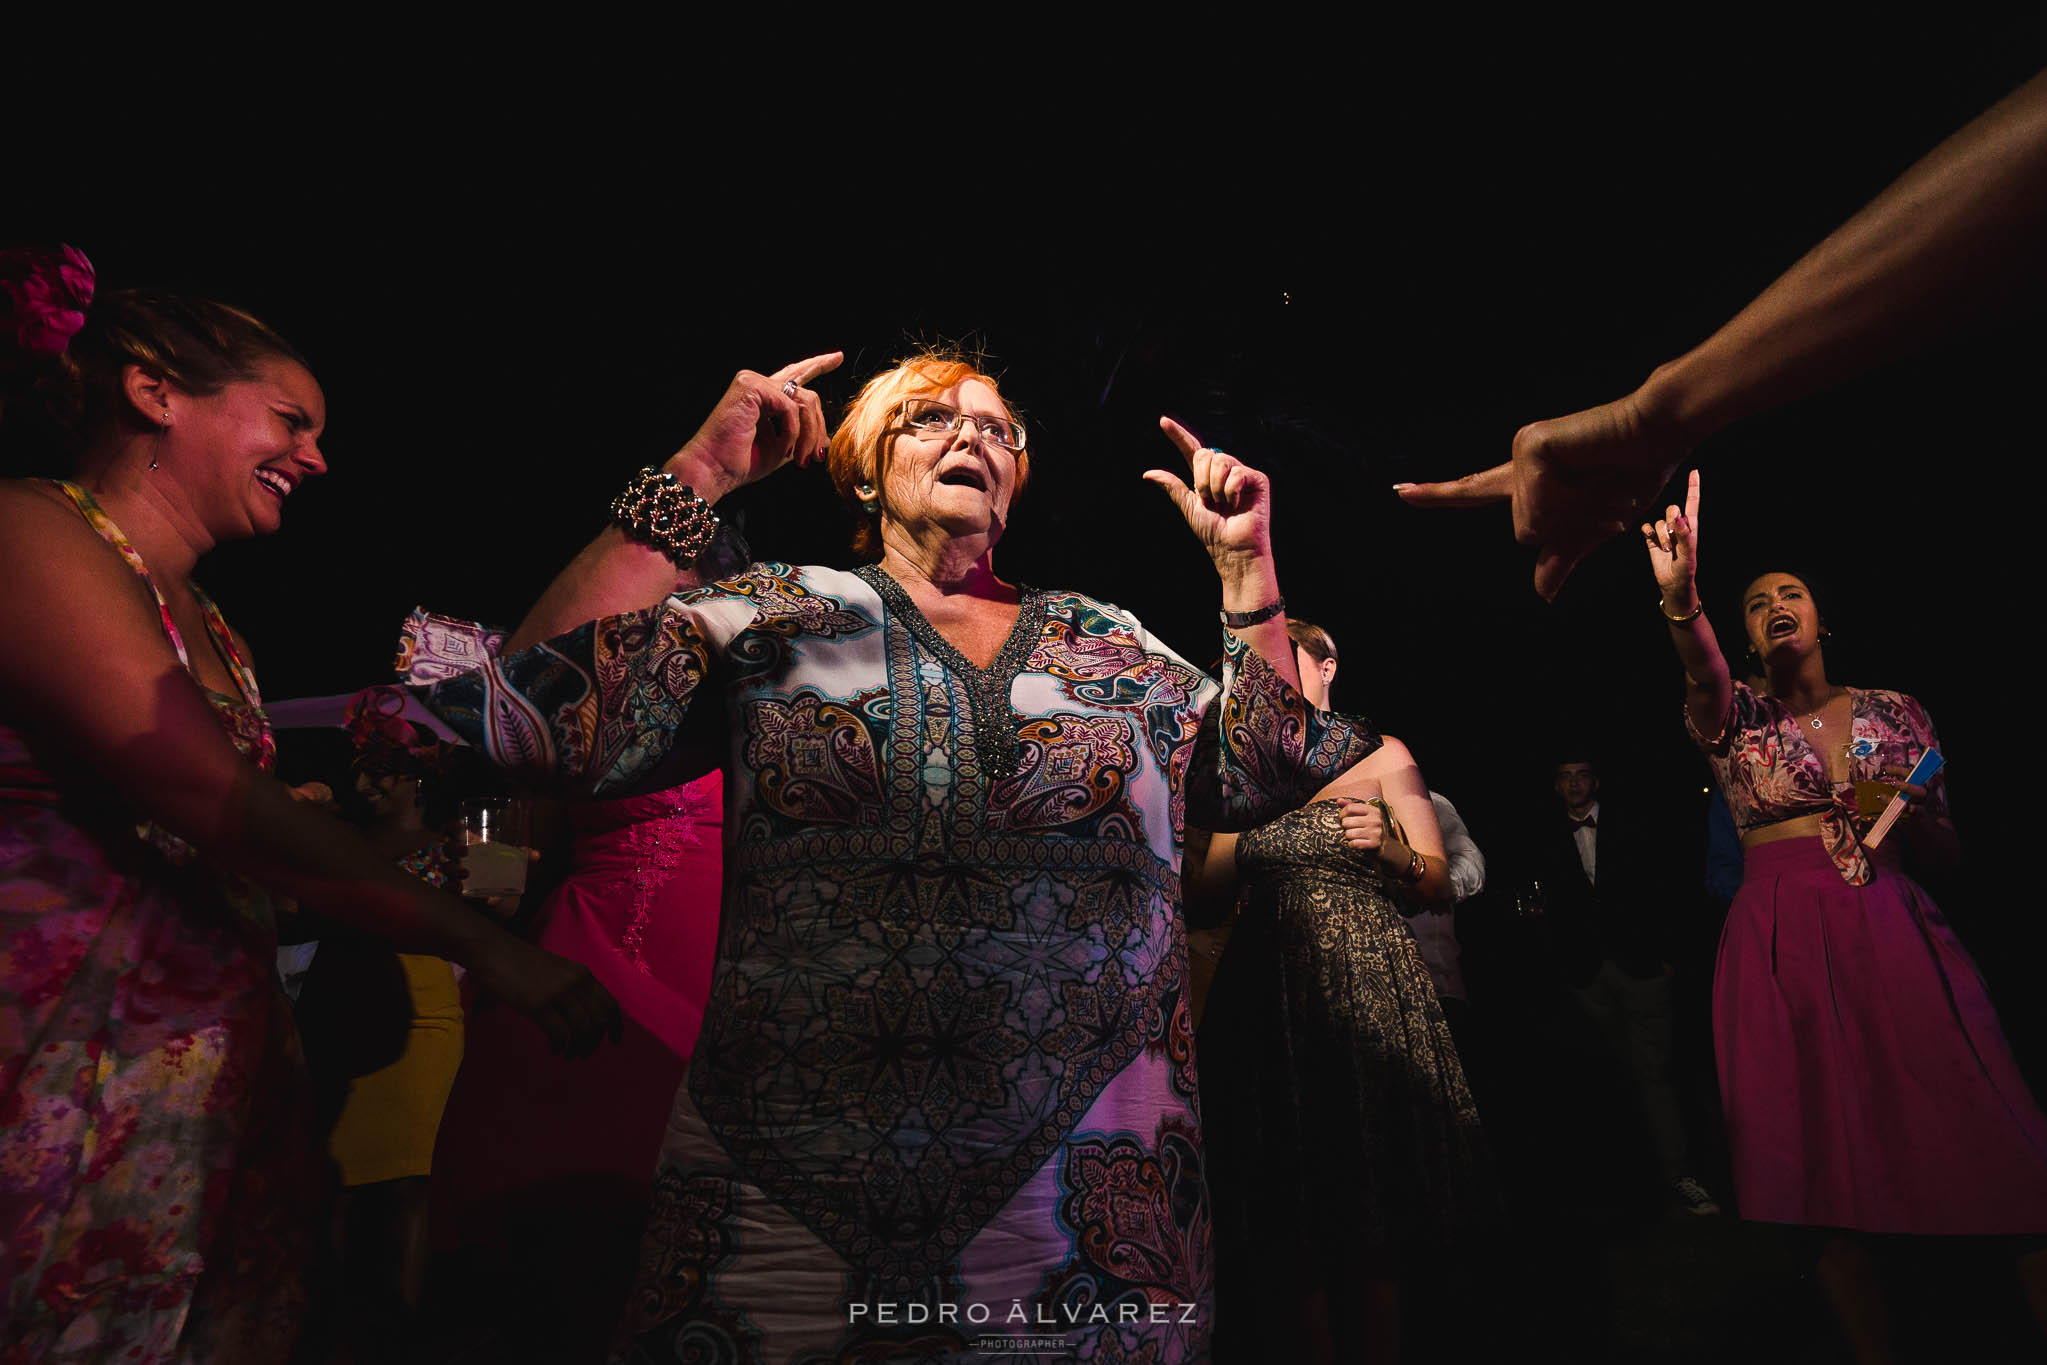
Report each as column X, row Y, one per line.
column 945, row 1084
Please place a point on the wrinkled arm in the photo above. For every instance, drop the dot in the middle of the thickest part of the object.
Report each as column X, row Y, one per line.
column 610, row 575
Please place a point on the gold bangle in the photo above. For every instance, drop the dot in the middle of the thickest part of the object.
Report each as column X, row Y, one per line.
column 1691, row 615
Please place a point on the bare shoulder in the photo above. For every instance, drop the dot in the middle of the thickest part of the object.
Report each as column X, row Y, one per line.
column 1367, row 777
column 27, row 505
column 49, row 554
column 38, row 522
column 1390, row 757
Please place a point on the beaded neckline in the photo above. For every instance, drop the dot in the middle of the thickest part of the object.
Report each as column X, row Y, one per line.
column 988, row 689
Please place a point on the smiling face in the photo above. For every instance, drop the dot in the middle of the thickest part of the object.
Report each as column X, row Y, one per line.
column 239, row 453
column 1780, row 617
column 960, row 482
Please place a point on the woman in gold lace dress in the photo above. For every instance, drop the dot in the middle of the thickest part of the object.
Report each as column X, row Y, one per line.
column 1344, row 1151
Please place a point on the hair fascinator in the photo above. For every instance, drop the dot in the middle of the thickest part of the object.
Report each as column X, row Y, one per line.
column 44, row 295
column 385, row 741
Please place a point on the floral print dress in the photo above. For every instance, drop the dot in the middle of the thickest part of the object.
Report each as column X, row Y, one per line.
column 155, row 1176
column 944, row 1088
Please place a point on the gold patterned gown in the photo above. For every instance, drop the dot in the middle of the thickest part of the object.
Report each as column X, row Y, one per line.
column 1341, row 1135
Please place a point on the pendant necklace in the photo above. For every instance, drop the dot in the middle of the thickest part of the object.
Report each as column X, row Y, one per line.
column 1814, row 719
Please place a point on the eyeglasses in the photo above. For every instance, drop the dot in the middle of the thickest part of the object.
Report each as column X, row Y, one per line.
column 929, row 418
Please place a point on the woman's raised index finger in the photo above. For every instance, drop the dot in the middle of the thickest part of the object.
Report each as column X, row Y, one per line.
column 1692, row 500
column 803, row 371
column 1186, row 440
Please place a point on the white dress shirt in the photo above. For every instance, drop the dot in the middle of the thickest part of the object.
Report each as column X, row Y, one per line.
column 1587, row 840
column 1435, row 928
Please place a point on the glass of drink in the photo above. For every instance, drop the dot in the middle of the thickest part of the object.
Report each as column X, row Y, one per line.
column 1870, row 800
column 494, row 831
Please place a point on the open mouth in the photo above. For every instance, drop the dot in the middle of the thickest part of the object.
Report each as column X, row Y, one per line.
column 964, row 476
column 1781, row 627
column 277, row 483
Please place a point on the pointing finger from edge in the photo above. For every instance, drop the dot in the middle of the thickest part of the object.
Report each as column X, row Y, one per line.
column 1473, row 490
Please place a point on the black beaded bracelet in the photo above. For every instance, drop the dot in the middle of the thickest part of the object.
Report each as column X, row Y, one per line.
column 1240, row 620
column 656, row 510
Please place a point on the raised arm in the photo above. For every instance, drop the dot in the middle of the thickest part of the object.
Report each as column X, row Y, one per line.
column 762, row 423
column 1263, row 749
column 1228, row 507
column 87, row 675
column 1959, row 232
column 1673, row 545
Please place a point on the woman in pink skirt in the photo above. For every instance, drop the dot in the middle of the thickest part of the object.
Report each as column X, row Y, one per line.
column 1867, row 1084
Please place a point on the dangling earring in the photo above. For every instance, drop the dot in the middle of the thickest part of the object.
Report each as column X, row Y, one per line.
column 1825, row 635
column 870, row 498
column 161, row 432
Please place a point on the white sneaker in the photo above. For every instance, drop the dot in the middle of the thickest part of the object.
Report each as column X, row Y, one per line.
column 1692, row 1196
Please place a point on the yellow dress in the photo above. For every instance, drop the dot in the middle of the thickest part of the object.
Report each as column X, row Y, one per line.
column 392, row 1115
column 387, row 1127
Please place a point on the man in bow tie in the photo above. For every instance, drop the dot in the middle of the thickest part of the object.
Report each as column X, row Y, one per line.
column 1610, row 906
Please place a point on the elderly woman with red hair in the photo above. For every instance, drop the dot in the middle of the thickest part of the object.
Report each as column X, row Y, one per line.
column 945, row 1084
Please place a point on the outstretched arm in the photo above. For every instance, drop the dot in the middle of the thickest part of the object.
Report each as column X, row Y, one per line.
column 1956, row 234
column 86, row 672
column 762, row 423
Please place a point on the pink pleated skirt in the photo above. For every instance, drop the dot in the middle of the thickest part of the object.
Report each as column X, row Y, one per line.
column 1866, row 1080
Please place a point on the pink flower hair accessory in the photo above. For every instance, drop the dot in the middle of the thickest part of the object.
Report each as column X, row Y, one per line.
column 47, row 292
column 387, row 742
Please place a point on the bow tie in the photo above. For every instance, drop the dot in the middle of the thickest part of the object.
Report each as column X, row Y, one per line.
column 1589, row 822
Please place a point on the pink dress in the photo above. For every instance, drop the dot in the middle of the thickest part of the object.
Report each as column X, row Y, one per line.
column 1866, row 1081
column 641, row 911
column 157, row 1176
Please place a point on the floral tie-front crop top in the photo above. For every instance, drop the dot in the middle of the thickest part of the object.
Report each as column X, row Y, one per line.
column 1770, row 769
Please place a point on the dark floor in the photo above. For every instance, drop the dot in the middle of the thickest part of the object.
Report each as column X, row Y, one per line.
column 1666, row 1288
column 1596, row 1265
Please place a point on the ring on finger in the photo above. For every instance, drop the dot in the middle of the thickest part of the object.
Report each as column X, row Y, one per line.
column 789, row 387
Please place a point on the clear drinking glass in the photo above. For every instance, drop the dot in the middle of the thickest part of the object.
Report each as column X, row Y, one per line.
column 494, row 831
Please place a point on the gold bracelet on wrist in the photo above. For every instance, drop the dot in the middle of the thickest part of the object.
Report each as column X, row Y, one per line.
column 1691, row 615
column 1417, row 866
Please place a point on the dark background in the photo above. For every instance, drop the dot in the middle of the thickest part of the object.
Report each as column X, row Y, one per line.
column 516, row 301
